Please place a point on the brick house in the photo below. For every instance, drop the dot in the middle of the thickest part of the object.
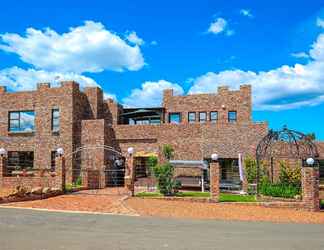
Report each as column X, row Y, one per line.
column 35, row 123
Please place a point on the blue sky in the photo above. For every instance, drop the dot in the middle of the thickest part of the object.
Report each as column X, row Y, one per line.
column 135, row 49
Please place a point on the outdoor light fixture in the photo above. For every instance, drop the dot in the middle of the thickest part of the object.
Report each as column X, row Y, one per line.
column 310, row 161
column 3, row 152
column 214, row 157
column 130, row 150
column 60, row 151
column 223, row 106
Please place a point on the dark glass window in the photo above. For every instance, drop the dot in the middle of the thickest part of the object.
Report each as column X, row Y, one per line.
column 20, row 159
column 53, row 156
column 21, row 121
column 232, row 116
column 213, row 116
column 202, row 116
column 174, row 118
column 191, row 117
column 55, row 120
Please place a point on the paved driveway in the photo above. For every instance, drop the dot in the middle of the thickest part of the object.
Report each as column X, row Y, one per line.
column 39, row 230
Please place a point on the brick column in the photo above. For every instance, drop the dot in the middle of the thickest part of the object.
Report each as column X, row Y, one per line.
column 214, row 181
column 130, row 174
column 310, row 188
column 60, row 172
column 3, row 168
column 84, row 177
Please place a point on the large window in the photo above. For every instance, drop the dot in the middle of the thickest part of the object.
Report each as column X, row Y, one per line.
column 213, row 116
column 232, row 116
column 202, row 117
column 18, row 160
column 21, row 121
column 55, row 120
column 174, row 118
column 191, row 117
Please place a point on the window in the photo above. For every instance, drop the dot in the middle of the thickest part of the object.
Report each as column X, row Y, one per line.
column 53, row 156
column 21, row 121
column 174, row 118
column 18, row 160
column 55, row 120
column 191, row 117
column 232, row 116
column 213, row 116
column 202, row 117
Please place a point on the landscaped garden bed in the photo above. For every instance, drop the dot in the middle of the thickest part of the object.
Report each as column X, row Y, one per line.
column 199, row 196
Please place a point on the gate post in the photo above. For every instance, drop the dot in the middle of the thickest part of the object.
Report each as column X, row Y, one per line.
column 310, row 188
column 60, row 169
column 130, row 171
column 214, row 178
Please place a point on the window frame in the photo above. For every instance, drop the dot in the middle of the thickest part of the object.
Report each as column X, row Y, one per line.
column 21, row 159
column 210, row 116
column 19, row 130
column 229, row 117
column 175, row 113
column 192, row 121
column 199, row 119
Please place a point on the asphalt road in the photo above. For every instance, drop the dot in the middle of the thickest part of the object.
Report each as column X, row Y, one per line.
column 39, row 230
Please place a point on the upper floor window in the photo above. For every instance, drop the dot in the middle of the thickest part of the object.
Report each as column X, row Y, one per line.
column 213, row 116
column 191, row 117
column 232, row 116
column 55, row 120
column 175, row 118
column 21, row 121
column 202, row 116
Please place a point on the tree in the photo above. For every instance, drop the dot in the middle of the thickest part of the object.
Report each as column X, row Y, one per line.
column 311, row 136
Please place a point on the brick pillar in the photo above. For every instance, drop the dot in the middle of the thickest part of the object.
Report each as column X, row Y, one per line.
column 310, row 188
column 3, row 168
column 214, row 181
column 130, row 174
column 60, row 172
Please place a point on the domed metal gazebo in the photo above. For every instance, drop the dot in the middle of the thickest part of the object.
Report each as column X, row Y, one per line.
column 284, row 144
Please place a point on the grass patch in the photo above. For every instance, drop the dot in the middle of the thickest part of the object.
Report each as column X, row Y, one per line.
column 224, row 197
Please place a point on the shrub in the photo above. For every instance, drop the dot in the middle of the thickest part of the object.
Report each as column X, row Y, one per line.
column 152, row 162
column 278, row 189
column 168, row 151
column 250, row 169
column 167, row 185
column 290, row 176
column 78, row 182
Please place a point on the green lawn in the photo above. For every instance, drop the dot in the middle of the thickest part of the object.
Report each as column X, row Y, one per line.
column 224, row 197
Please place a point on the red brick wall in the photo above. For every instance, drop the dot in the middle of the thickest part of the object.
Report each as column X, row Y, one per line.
column 223, row 101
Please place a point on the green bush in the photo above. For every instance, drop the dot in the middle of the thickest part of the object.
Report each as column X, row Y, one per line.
column 278, row 189
column 290, row 176
column 250, row 169
column 167, row 185
column 168, row 151
column 152, row 162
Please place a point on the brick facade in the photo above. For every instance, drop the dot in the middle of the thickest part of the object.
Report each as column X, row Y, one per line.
column 87, row 119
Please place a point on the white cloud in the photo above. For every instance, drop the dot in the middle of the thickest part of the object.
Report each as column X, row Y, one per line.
column 150, row 94
column 300, row 55
column 246, row 12
column 133, row 38
column 285, row 87
column 87, row 48
column 154, row 43
column 220, row 25
column 109, row 96
column 320, row 22
column 18, row 79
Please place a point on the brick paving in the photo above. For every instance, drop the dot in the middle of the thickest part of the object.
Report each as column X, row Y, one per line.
column 116, row 201
column 185, row 209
